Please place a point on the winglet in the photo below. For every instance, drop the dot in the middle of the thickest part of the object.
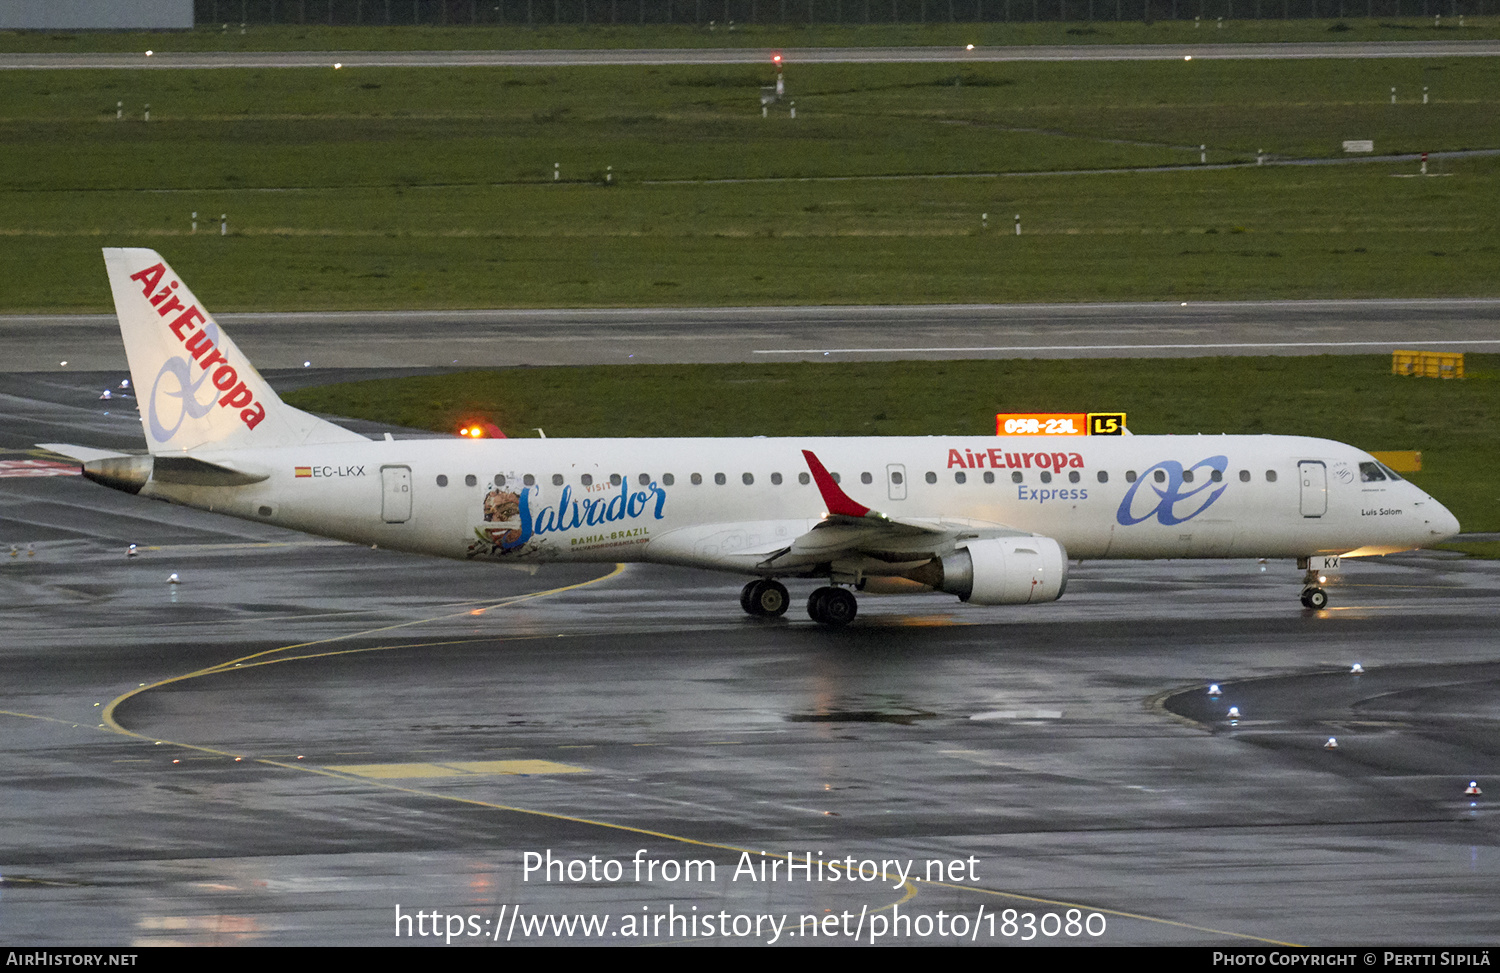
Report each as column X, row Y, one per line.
column 837, row 500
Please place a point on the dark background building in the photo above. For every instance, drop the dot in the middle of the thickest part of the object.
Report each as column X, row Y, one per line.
column 96, row 15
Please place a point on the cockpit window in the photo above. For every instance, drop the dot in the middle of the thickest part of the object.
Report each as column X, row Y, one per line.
column 1370, row 472
column 1390, row 473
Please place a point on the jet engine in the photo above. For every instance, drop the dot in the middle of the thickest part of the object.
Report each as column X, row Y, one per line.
column 1000, row 571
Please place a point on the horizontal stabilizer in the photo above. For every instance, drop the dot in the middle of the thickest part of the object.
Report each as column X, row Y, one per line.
column 129, row 473
column 82, row 454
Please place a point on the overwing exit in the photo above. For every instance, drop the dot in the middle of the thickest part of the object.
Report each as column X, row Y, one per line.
column 991, row 520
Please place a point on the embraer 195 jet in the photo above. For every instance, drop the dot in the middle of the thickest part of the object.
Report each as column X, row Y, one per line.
column 992, row 520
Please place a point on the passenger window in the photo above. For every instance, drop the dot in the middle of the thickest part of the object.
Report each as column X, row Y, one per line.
column 1217, row 476
column 720, row 479
column 1187, row 477
column 557, row 479
column 960, row 476
column 989, row 476
column 1130, row 476
column 896, row 476
column 697, row 479
column 442, row 480
column 1045, row 476
column 866, row 478
column 668, row 479
column 471, row 480
column 500, row 479
column 1244, row 476
column 586, row 480
column 614, row 479
column 1073, row 477
column 1016, row 477
column 1103, row 477
column 1161, row 476
column 804, row 479
column 931, row 477
column 644, row 479
column 836, row 478
column 747, row 478
column 1270, row 476
column 528, row 480
column 776, row 479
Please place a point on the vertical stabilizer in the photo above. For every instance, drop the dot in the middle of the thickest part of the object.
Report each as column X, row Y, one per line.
column 195, row 389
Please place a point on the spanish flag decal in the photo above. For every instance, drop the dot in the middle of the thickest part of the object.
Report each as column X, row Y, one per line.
column 304, row 471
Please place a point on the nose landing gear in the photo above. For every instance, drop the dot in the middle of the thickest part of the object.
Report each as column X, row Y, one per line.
column 1316, row 571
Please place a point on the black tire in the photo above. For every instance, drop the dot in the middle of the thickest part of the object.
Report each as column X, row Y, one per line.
column 1314, row 598
column 839, row 607
column 770, row 598
column 747, row 598
column 815, row 605
column 832, row 606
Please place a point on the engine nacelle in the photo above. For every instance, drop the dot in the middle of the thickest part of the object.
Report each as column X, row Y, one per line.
column 1001, row 571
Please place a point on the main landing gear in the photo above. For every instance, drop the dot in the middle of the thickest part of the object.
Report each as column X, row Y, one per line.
column 832, row 606
column 765, row 596
column 829, row 605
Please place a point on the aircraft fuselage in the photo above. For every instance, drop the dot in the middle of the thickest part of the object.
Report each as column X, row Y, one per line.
column 726, row 503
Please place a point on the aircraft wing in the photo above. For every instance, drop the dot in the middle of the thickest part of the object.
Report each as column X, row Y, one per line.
column 852, row 531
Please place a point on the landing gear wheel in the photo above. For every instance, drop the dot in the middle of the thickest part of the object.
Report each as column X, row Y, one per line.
column 766, row 597
column 815, row 604
column 832, row 606
column 1314, row 598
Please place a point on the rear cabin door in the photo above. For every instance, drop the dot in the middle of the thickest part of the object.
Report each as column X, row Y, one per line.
column 395, row 494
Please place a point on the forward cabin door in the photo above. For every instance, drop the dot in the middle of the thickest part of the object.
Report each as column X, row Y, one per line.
column 1313, row 476
column 395, row 494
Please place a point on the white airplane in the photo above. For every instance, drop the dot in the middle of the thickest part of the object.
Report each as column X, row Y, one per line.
column 992, row 520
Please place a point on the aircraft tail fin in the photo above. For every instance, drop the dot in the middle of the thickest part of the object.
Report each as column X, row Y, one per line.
column 195, row 389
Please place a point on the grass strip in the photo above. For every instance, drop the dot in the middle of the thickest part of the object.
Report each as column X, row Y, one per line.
column 435, row 188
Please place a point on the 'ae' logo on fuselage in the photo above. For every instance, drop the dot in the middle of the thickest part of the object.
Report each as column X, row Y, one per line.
column 1167, row 501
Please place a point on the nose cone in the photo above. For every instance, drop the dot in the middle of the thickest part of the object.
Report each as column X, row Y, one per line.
column 1441, row 523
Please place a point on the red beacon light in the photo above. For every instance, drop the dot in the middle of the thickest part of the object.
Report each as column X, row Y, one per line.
column 480, row 429
column 776, row 59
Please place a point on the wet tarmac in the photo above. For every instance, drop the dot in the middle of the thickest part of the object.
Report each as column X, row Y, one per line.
column 580, row 336
column 307, row 742
column 168, row 60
